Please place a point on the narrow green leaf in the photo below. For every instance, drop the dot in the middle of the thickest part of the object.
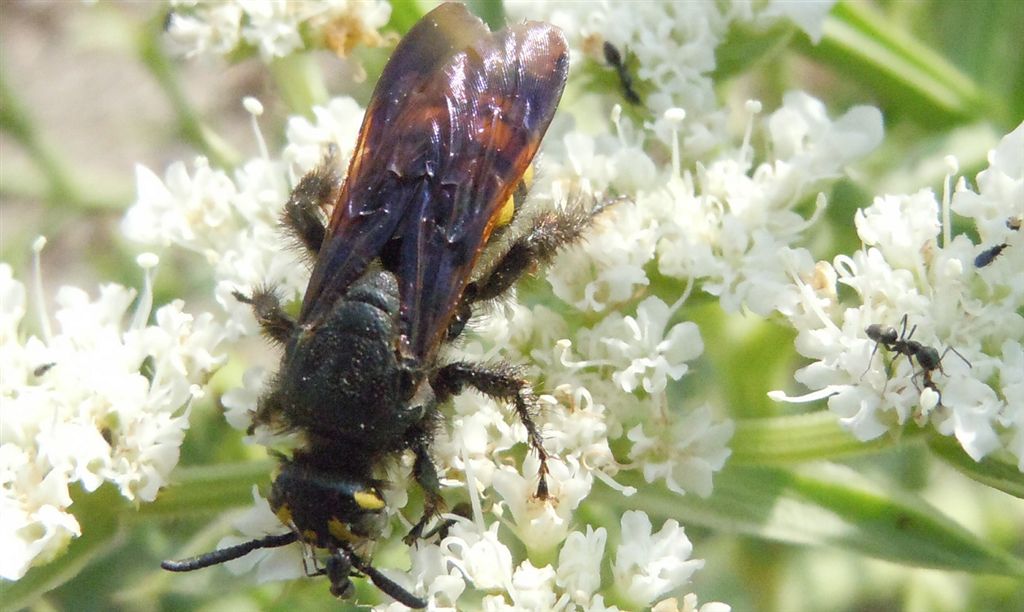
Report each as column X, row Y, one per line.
column 209, row 489
column 862, row 43
column 989, row 471
column 797, row 438
column 828, row 504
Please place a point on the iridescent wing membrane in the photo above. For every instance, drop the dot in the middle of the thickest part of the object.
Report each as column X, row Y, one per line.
column 452, row 125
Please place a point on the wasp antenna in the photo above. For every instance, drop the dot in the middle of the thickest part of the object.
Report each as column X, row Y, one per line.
column 228, row 554
column 390, row 588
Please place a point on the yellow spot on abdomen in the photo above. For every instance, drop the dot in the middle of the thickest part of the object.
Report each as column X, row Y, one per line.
column 368, row 500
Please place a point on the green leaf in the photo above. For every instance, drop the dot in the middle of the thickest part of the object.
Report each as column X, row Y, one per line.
column 863, row 44
column 209, row 489
column 745, row 46
column 989, row 471
column 797, row 438
column 831, row 505
column 975, row 36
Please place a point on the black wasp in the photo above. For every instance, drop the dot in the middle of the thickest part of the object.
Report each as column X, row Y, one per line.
column 451, row 128
column 901, row 343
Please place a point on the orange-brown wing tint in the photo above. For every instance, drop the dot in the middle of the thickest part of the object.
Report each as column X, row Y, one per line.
column 453, row 123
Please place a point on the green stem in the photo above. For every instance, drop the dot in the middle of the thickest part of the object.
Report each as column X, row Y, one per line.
column 16, row 121
column 192, row 128
column 300, row 82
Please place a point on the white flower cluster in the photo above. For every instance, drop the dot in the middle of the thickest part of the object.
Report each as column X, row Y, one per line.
column 674, row 44
column 608, row 356
column 951, row 294
column 645, row 566
column 102, row 399
column 231, row 221
column 275, row 27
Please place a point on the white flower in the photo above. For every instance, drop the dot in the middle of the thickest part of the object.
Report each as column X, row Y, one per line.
column 674, row 44
column 900, row 227
column 648, row 565
column 808, row 16
column 232, row 221
column 216, row 31
column 579, row 563
column 685, row 453
column 933, row 293
column 541, row 524
column 1000, row 192
column 533, row 588
column 1011, row 376
column 814, row 145
column 275, row 27
column 95, row 401
column 643, row 350
column 240, row 403
column 431, row 574
column 729, row 228
column 608, row 267
column 689, row 604
column 479, row 556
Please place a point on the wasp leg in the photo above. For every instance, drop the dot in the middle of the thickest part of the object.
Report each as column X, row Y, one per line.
column 550, row 232
column 266, row 306
column 304, row 214
column 502, row 382
column 426, row 476
column 441, row 529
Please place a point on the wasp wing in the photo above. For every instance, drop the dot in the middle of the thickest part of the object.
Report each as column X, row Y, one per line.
column 453, row 124
column 373, row 200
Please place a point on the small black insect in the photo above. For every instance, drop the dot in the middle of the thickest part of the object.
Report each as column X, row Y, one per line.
column 931, row 361
column 616, row 61
column 450, row 130
column 896, row 342
column 40, row 370
column 1014, row 223
column 989, row 255
column 901, row 343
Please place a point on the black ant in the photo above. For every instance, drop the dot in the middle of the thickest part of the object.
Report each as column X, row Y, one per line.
column 616, row 61
column 927, row 357
column 897, row 343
